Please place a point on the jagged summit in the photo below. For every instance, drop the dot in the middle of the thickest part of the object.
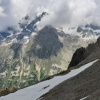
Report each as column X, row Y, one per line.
column 27, row 27
column 87, row 32
column 92, row 26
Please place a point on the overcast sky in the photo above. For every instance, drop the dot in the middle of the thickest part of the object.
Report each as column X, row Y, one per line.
column 61, row 12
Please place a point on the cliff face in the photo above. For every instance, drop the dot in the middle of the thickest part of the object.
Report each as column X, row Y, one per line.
column 46, row 43
column 78, row 56
column 89, row 53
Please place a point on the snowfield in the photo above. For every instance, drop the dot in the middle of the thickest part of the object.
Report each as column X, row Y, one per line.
column 36, row 91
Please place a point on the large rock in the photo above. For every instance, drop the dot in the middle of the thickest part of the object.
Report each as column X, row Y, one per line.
column 78, row 56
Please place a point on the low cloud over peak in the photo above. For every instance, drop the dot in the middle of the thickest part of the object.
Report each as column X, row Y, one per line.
column 62, row 13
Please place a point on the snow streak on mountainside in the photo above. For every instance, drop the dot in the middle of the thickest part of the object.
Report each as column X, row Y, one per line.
column 86, row 32
column 36, row 91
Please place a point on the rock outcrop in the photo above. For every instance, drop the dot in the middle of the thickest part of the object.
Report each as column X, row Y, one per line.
column 91, row 52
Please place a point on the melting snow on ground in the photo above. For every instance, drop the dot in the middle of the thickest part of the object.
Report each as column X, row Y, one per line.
column 36, row 91
column 83, row 98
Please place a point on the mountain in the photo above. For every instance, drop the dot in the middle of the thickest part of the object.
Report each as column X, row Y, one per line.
column 31, row 54
column 86, row 32
column 27, row 26
column 46, row 43
column 34, row 58
column 80, row 83
column 85, row 85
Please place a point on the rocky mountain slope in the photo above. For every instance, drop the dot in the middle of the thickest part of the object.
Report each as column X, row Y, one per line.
column 81, row 83
column 31, row 54
column 34, row 93
column 87, row 54
column 84, row 85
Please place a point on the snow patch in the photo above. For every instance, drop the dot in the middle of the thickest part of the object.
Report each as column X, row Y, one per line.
column 83, row 98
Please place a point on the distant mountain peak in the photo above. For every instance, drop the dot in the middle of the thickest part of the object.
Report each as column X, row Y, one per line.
column 46, row 43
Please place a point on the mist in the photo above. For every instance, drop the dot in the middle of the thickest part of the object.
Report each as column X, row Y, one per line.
column 62, row 13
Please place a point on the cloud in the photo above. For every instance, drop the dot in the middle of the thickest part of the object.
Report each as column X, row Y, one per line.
column 1, row 12
column 14, row 11
column 72, row 13
column 62, row 13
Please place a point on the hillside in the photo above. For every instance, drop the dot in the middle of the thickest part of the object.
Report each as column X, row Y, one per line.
column 35, row 91
column 84, row 85
column 86, row 54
